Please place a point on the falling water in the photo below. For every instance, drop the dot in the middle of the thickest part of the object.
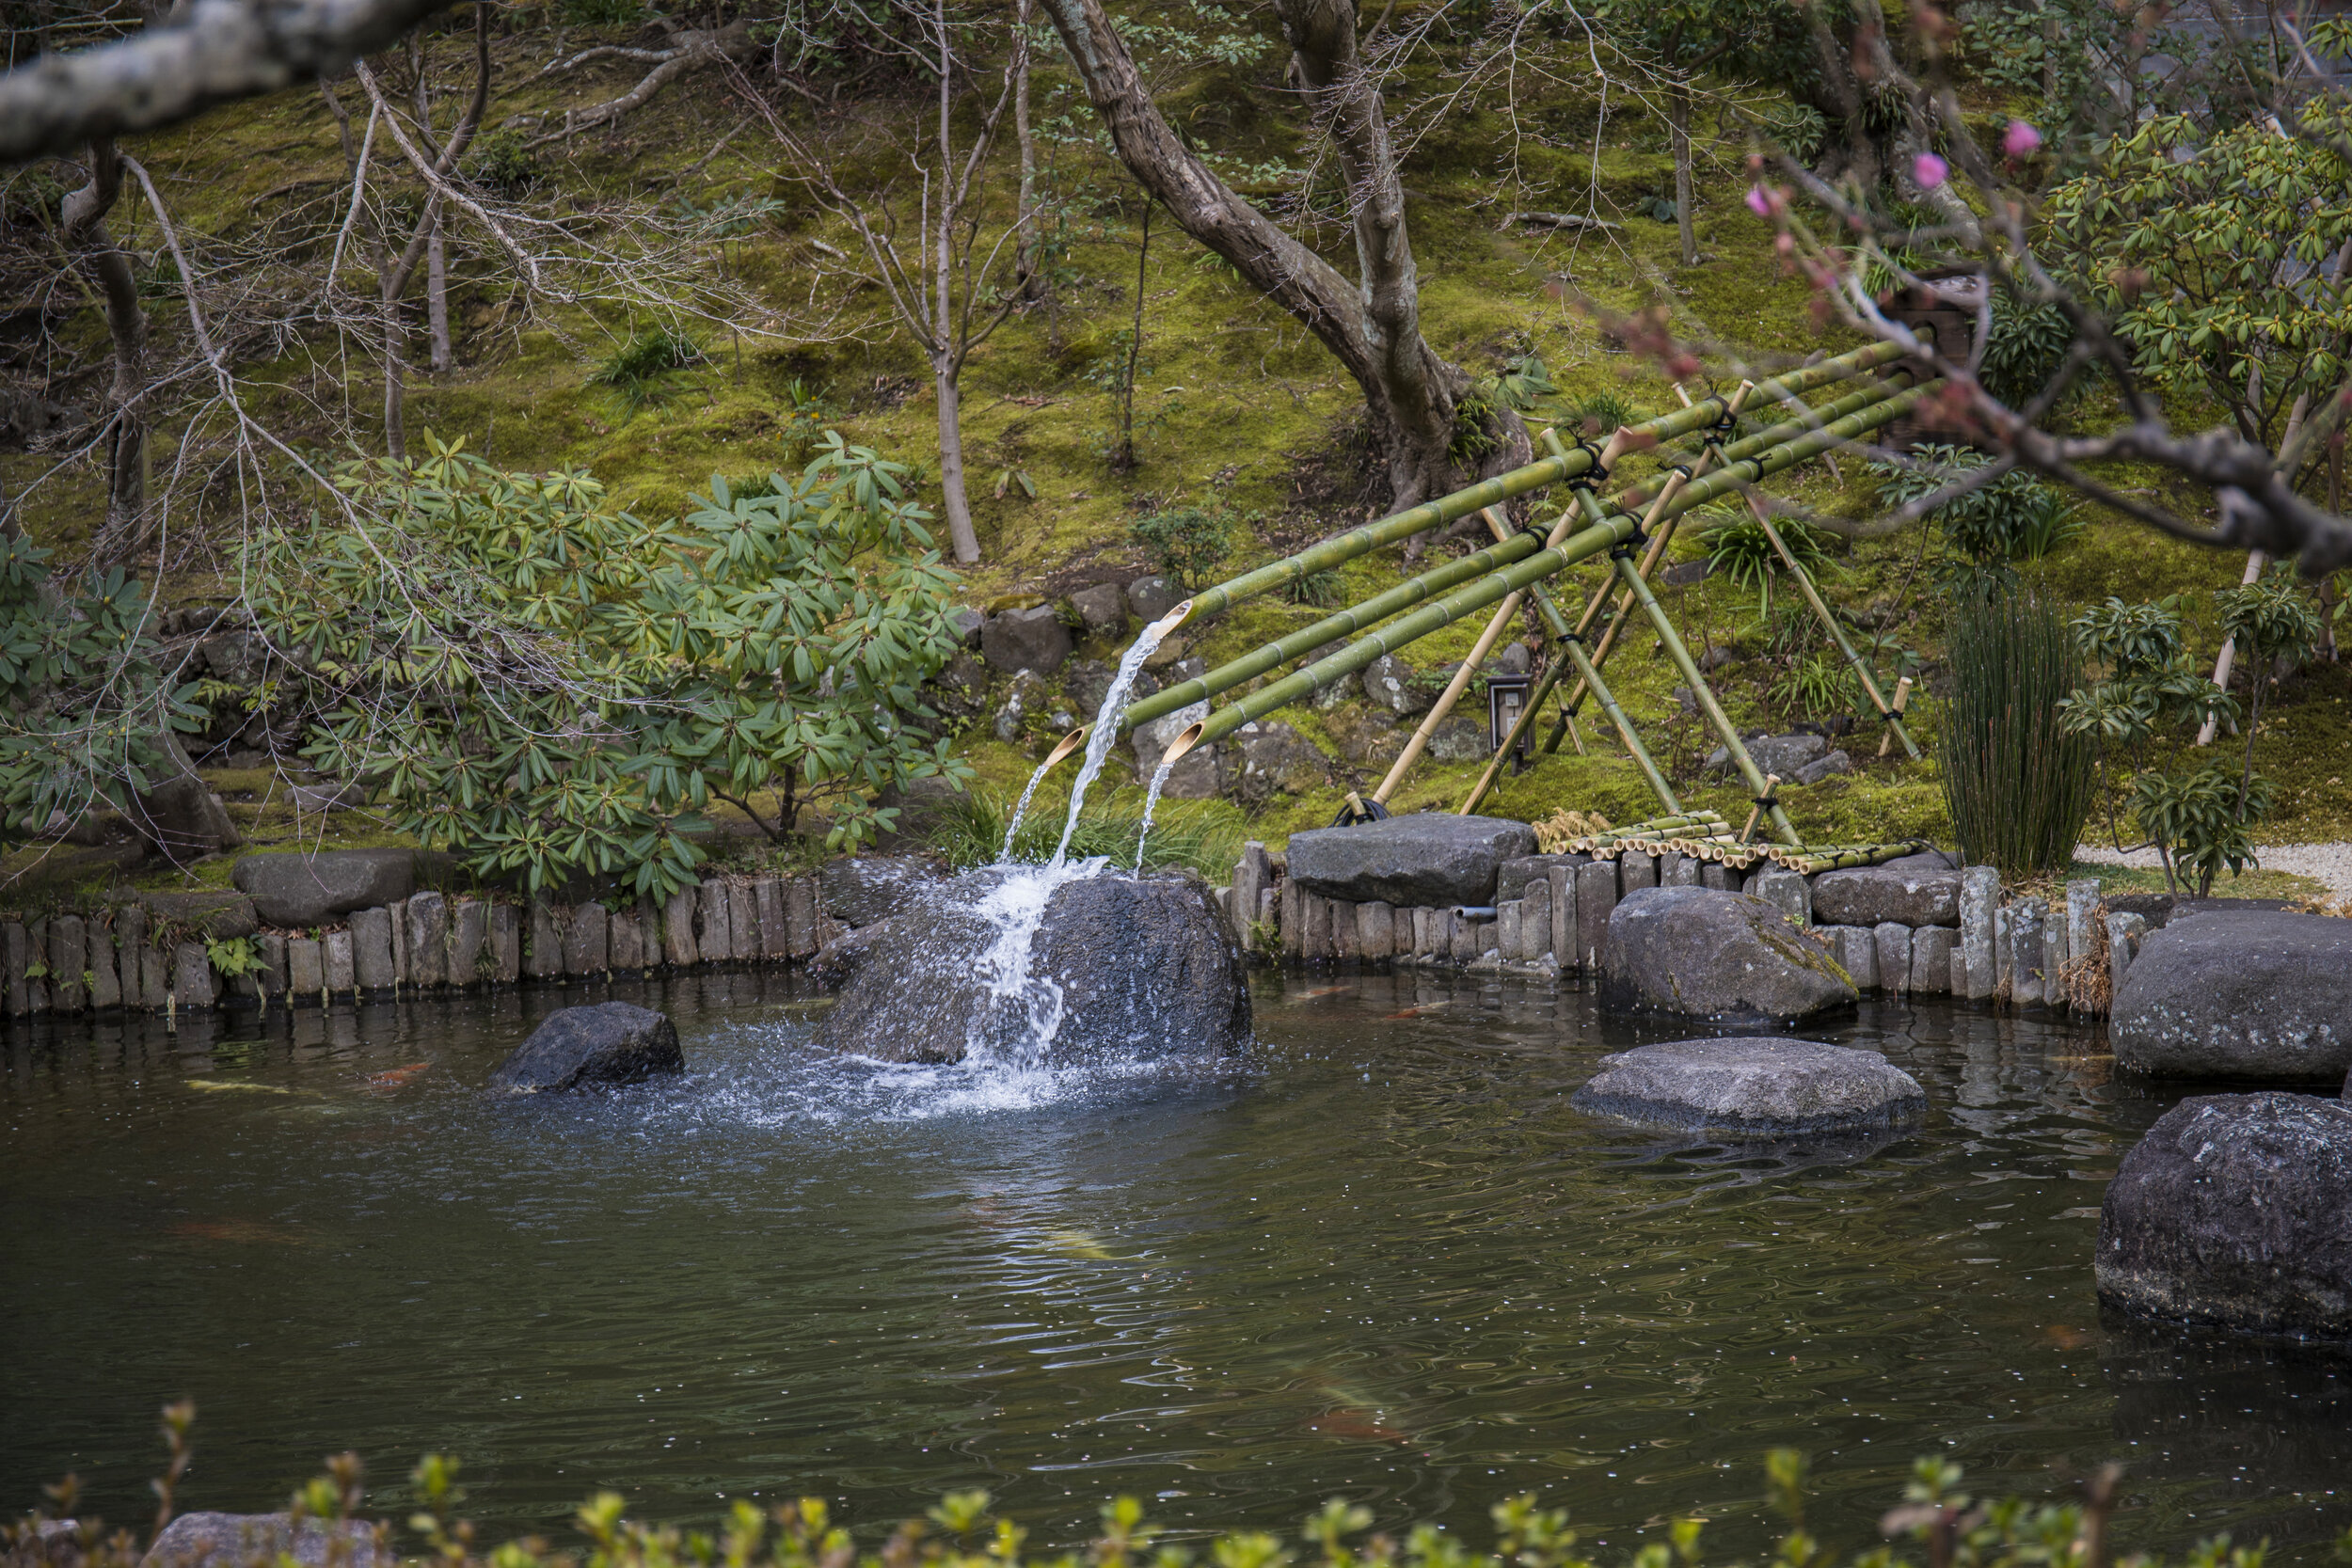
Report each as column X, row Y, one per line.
column 1152, row 804
column 1015, row 906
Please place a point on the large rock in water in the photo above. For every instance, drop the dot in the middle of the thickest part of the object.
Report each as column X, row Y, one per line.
column 1700, row 953
column 1117, row 968
column 1430, row 858
column 298, row 889
column 611, row 1042
column 1755, row 1087
column 2235, row 1208
column 2262, row 995
column 235, row 1539
column 865, row 888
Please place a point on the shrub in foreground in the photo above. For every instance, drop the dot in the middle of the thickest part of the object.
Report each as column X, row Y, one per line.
column 1935, row 1517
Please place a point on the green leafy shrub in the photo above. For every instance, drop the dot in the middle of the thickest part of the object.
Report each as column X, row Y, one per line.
column 2201, row 822
column 1525, row 382
column 83, row 700
column 549, row 686
column 502, row 162
column 1739, row 551
column 1187, row 542
column 2024, row 348
column 2013, row 518
column 638, row 372
column 1602, row 413
column 1320, row 589
column 2017, row 780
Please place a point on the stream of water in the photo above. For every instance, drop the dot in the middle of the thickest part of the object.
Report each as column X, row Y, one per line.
column 1383, row 1259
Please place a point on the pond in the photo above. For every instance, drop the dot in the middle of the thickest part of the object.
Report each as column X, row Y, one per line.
column 1383, row 1257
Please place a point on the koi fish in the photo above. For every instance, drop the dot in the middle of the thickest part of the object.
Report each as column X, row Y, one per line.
column 397, row 1076
column 1322, row 991
column 1078, row 1244
column 216, row 1084
column 1421, row 1011
column 1364, row 1426
column 2064, row 1338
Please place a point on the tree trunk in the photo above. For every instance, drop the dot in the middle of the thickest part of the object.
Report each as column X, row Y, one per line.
column 1371, row 327
column 83, row 218
column 948, row 355
column 437, row 293
column 395, row 390
column 1026, row 264
column 1679, row 121
column 955, row 501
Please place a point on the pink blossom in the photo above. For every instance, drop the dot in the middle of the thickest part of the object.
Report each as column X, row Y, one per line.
column 1930, row 170
column 2021, row 139
column 1759, row 202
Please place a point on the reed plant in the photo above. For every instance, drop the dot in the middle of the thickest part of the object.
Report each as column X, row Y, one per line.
column 1204, row 836
column 2018, row 785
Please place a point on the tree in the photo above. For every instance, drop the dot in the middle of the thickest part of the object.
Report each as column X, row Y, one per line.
column 1415, row 398
column 939, row 293
column 123, row 441
column 549, row 686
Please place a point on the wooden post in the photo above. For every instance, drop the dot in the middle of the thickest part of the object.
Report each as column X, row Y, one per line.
column 1772, row 781
column 1903, row 700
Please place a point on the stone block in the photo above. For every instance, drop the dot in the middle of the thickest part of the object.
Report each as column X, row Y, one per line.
column 302, row 890
column 305, row 970
column 1893, row 941
column 105, row 984
column 1402, row 933
column 1511, row 882
column 543, row 945
column 715, row 926
column 339, row 963
column 1791, row 891
column 69, row 961
column 1979, row 967
column 1292, row 907
column 2054, row 957
column 743, row 937
column 1345, row 939
column 506, row 943
column 1375, row 930
column 623, row 945
column 2082, row 919
column 1718, row 876
column 428, row 940
column 1596, row 898
column 1534, row 922
column 399, row 911
column 372, row 949
column 587, row 940
column 192, row 976
column 1434, row 858
column 1867, row 895
column 274, row 976
column 1507, row 921
column 1314, row 927
column 469, row 941
column 800, row 917
column 1563, row 945
column 1675, row 869
column 1856, row 950
column 2026, row 924
column 775, row 933
column 1635, row 870
column 1931, row 949
column 678, row 927
column 2004, row 953
column 16, row 956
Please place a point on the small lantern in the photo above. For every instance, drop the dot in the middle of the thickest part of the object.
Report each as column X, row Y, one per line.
column 1506, row 699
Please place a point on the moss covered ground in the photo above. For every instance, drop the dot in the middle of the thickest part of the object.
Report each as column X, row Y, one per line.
column 1236, row 405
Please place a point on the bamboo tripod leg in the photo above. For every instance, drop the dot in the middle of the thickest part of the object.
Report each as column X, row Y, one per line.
column 1759, row 789
column 1829, row 623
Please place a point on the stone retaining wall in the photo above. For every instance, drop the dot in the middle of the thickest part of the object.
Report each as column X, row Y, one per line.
column 428, row 941
column 1551, row 916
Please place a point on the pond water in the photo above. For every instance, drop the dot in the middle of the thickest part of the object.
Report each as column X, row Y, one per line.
column 1382, row 1258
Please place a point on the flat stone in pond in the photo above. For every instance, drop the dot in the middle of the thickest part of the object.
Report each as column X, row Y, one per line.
column 1695, row 952
column 2259, row 994
column 1755, row 1087
column 2235, row 1208
column 1427, row 858
column 611, row 1042
column 234, row 1540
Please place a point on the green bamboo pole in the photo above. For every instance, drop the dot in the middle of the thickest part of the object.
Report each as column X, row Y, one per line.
column 1502, row 487
column 1758, row 787
column 1496, row 585
column 1626, row 731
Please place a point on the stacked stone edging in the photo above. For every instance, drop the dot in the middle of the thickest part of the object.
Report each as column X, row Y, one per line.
column 1914, row 925
column 427, row 941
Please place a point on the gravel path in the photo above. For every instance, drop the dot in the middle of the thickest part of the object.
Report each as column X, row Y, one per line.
column 2327, row 864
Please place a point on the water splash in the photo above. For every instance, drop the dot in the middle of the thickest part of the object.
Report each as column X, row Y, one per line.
column 1004, row 856
column 1105, row 731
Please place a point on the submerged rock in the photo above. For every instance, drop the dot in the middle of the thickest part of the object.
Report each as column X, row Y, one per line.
column 234, row 1540
column 611, row 1042
column 1755, row 1087
column 1427, row 858
column 2235, row 1208
column 1118, row 968
column 1699, row 953
column 865, row 888
column 2256, row 994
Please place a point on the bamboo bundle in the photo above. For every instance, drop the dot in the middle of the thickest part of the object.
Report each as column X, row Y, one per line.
column 1656, row 832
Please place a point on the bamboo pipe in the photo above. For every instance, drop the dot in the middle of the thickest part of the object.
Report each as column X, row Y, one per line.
column 1533, row 476
column 1772, row 781
column 1903, row 700
column 1477, row 595
column 1381, row 605
column 1829, row 623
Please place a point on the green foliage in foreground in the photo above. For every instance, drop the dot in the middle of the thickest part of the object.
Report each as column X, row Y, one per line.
column 1204, row 836
column 549, row 686
column 1935, row 1514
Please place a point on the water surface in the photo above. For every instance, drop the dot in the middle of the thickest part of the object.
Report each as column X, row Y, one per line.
column 1383, row 1259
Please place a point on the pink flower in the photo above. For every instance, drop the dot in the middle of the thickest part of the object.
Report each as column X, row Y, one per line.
column 1759, row 202
column 2021, row 139
column 1930, row 170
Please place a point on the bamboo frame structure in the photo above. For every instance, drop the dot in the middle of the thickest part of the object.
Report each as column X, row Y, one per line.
column 1889, row 716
